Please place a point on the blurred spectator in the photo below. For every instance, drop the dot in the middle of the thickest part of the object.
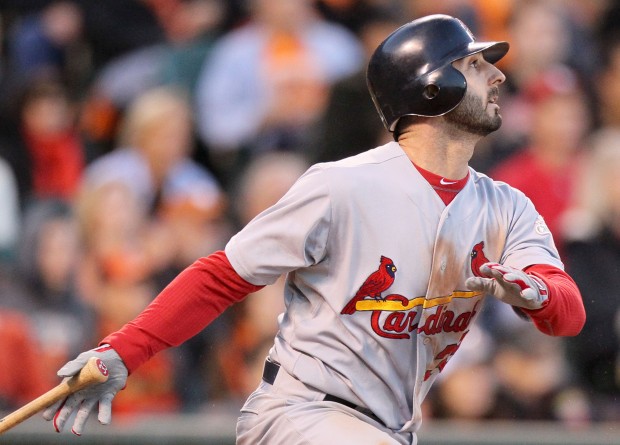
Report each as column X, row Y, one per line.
column 145, row 206
column 147, row 210
column 10, row 214
column 547, row 168
column 606, row 26
column 584, row 20
column 193, row 27
column 267, row 81
column 49, row 41
column 121, row 253
column 493, row 18
column 43, row 285
column 593, row 259
column 515, row 375
column 22, row 378
column 43, row 146
column 608, row 87
column 539, row 33
column 465, row 10
column 116, row 27
column 350, row 124
column 115, row 239
column 153, row 162
column 254, row 321
column 353, row 14
column 532, row 376
column 190, row 27
column 468, row 393
column 264, row 182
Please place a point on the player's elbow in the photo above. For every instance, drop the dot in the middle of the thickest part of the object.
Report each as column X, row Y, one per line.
column 571, row 327
column 578, row 323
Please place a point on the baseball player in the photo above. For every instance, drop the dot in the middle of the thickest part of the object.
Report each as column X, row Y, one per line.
column 388, row 256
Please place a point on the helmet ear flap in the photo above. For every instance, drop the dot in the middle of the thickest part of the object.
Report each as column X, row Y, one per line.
column 440, row 91
column 430, row 91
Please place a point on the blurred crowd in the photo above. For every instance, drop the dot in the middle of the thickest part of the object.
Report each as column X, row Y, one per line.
column 139, row 135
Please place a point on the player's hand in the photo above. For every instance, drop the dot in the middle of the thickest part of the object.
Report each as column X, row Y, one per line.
column 512, row 286
column 84, row 401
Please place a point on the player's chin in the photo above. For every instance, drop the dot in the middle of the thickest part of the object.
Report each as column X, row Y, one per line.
column 490, row 125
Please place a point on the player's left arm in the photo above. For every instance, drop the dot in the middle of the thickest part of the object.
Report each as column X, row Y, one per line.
column 529, row 274
column 543, row 293
column 564, row 313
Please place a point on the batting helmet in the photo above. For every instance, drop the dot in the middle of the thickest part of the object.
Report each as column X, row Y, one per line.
column 411, row 72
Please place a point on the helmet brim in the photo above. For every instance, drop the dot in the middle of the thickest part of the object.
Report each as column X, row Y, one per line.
column 491, row 51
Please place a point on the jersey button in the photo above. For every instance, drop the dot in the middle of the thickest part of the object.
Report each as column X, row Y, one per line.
column 442, row 266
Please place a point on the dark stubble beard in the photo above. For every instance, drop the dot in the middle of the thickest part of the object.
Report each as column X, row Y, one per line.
column 471, row 116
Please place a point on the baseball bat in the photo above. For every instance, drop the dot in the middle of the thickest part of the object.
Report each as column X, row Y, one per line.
column 93, row 372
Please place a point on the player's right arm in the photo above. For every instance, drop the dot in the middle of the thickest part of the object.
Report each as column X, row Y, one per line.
column 289, row 235
column 197, row 296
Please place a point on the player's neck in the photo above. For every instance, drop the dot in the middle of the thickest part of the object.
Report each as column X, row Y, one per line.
column 433, row 150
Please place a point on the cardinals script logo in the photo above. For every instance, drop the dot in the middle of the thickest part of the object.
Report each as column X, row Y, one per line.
column 395, row 316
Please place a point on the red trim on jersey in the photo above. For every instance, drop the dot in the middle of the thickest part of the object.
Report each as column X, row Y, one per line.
column 447, row 189
column 564, row 314
column 187, row 305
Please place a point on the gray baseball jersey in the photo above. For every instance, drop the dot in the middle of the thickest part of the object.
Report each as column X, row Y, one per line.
column 375, row 295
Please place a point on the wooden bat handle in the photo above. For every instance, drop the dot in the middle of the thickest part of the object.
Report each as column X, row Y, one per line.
column 93, row 372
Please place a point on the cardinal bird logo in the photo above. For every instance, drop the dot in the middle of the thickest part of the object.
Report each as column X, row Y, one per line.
column 376, row 283
column 478, row 258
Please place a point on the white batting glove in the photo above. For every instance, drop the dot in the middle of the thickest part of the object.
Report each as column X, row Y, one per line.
column 512, row 286
column 84, row 401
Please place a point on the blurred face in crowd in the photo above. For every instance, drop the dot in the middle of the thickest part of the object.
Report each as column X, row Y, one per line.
column 159, row 124
column 57, row 252
column 539, row 37
column 374, row 33
column 166, row 140
column 560, row 123
column 47, row 114
column 609, row 181
column 109, row 212
column 468, row 392
column 63, row 22
column 614, row 196
column 282, row 14
column 194, row 18
column 609, row 89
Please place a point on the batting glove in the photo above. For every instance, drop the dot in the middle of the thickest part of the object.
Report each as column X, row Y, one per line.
column 512, row 286
column 84, row 401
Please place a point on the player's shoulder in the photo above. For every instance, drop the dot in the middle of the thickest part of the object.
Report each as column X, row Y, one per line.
column 377, row 167
column 497, row 190
column 374, row 158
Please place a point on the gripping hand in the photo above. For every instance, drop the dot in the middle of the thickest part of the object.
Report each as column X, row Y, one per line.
column 84, row 401
column 512, row 286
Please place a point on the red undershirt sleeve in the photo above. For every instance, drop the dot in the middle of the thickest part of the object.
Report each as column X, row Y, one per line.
column 186, row 306
column 564, row 314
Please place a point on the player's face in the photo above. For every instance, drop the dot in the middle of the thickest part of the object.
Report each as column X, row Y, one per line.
column 478, row 112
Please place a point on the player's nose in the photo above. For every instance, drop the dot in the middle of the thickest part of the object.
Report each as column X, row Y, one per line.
column 496, row 77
